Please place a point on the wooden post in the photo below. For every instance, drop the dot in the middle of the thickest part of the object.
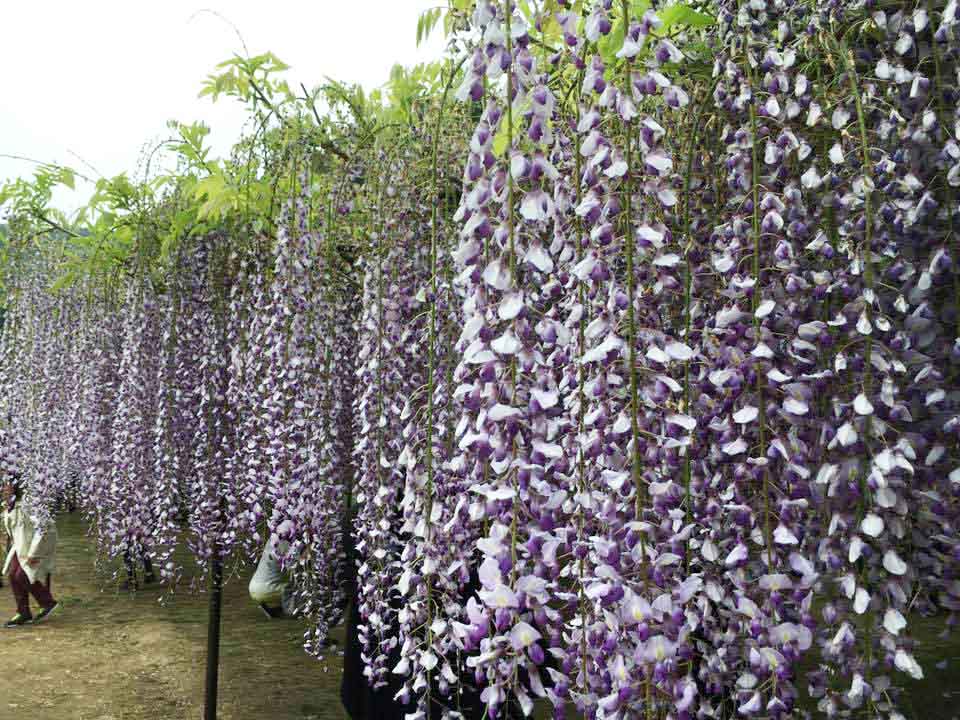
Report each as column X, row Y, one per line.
column 213, row 636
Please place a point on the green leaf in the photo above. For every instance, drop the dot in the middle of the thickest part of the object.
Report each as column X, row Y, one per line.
column 219, row 197
column 681, row 14
column 525, row 9
column 609, row 45
column 426, row 23
column 67, row 178
column 502, row 138
column 277, row 65
column 65, row 280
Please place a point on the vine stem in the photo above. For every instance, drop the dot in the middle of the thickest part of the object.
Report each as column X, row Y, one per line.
column 581, row 413
column 941, row 115
column 631, row 295
column 431, row 354
column 761, row 401
column 867, row 257
column 687, row 306
column 511, row 222
column 867, row 251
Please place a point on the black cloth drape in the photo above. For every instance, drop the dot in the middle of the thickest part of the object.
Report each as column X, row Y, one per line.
column 364, row 703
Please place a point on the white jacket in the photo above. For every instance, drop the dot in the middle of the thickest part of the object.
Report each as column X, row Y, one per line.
column 268, row 584
column 28, row 542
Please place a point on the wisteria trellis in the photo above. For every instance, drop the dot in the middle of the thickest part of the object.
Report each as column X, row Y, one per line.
column 664, row 408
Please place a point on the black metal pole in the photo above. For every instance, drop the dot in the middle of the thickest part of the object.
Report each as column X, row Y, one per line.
column 213, row 636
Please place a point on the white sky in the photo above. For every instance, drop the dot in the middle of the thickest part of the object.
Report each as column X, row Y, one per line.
column 100, row 78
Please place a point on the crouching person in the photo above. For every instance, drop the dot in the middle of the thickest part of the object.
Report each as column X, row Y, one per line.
column 268, row 587
column 31, row 559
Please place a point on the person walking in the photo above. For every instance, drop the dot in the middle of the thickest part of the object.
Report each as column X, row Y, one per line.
column 31, row 559
column 149, row 577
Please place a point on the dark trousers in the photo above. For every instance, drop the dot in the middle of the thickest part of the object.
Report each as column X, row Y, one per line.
column 128, row 564
column 23, row 589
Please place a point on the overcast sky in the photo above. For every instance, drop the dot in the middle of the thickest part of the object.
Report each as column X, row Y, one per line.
column 100, row 78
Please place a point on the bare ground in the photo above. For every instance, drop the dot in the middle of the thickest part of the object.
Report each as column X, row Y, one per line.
column 122, row 656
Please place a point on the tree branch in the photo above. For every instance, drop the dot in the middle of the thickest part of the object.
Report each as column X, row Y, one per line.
column 324, row 143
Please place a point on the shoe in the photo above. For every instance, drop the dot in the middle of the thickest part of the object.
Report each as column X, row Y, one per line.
column 270, row 612
column 45, row 613
column 18, row 620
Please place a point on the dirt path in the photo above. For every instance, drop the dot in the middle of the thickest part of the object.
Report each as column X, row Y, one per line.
column 111, row 656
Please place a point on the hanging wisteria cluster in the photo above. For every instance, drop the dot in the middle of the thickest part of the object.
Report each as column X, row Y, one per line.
column 656, row 418
column 708, row 351
column 37, row 378
column 211, row 410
